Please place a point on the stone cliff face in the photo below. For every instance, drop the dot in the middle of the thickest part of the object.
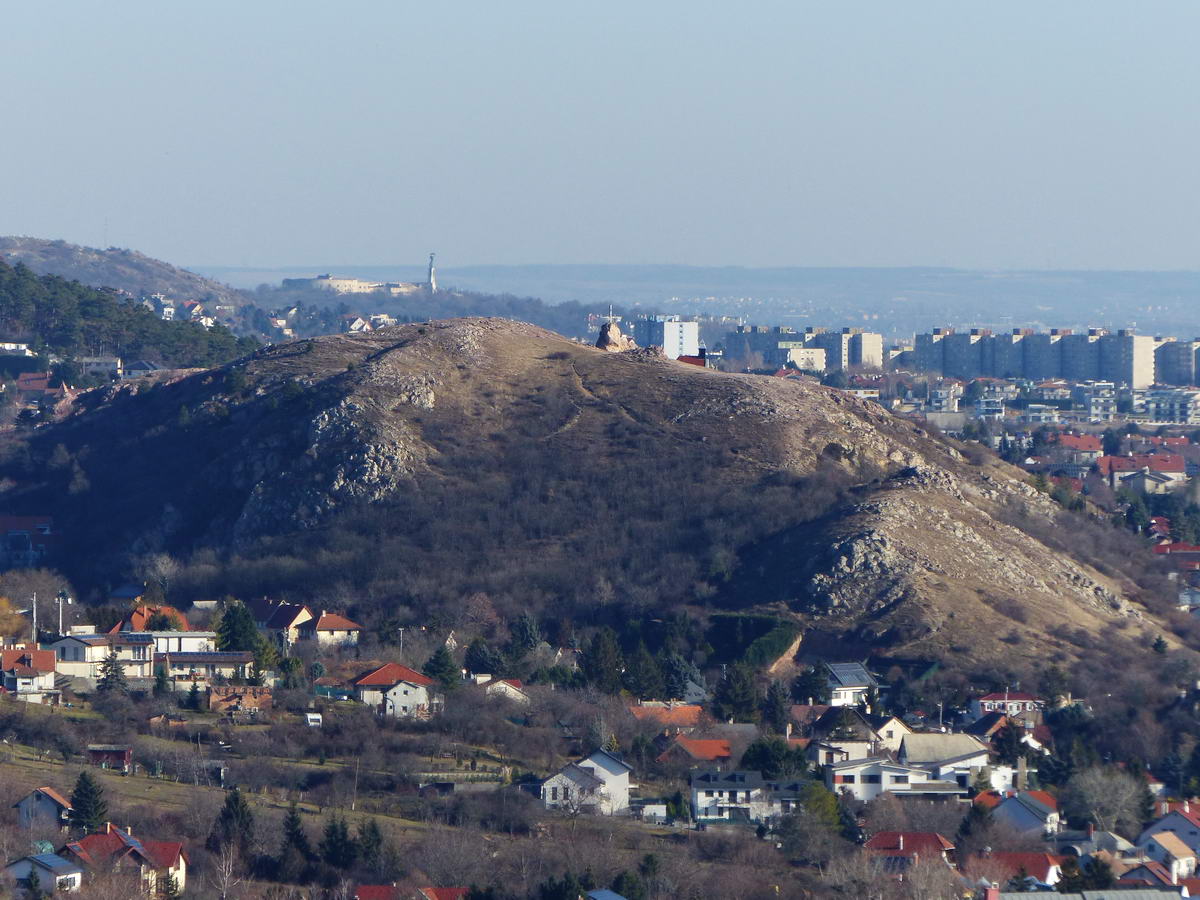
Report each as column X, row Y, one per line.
column 918, row 556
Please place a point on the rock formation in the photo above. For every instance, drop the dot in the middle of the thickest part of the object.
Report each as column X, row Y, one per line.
column 611, row 339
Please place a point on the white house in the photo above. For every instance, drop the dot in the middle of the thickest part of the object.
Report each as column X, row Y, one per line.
column 947, row 757
column 398, row 692
column 1171, row 853
column 1011, row 703
column 29, row 674
column 330, row 630
column 1034, row 813
column 508, row 688
column 43, row 807
column 1182, row 821
column 730, row 796
column 55, row 875
column 599, row 782
column 849, row 684
column 866, row 779
column 117, row 848
column 890, row 731
column 81, row 655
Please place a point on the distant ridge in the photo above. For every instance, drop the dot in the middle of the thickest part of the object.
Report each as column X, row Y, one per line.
column 126, row 270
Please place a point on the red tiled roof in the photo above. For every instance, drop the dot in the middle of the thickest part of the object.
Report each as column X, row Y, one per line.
column 389, row 674
column 1155, row 462
column 1036, row 864
column 700, row 749
column 377, row 892
column 113, row 845
column 1011, row 695
column 136, row 620
column 334, row 622
column 692, row 360
column 683, row 715
column 988, row 799
column 1087, row 443
column 905, row 843
column 31, row 661
column 1162, row 549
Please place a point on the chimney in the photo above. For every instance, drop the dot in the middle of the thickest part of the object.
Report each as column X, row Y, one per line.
column 1187, row 807
column 1022, row 774
column 992, row 893
column 108, row 827
column 787, row 730
column 900, row 841
column 1091, row 830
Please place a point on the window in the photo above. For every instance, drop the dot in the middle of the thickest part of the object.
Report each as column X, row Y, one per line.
column 888, row 734
column 872, row 779
column 553, row 793
column 848, row 779
column 899, row 779
column 708, row 793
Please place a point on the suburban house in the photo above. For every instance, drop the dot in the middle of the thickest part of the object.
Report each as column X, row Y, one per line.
column 672, row 718
column 114, row 848
column 111, row 756
column 239, row 698
column 730, row 796
column 599, row 783
column 1033, row 813
column 1182, row 821
column 866, row 779
column 43, row 807
column 1010, row 703
column 947, row 757
column 81, row 655
column 330, row 630
column 185, row 669
column 692, row 751
column 900, row 850
column 849, row 684
column 1042, row 868
column 143, row 616
column 508, row 688
column 55, row 875
column 1169, row 851
column 398, row 692
column 279, row 621
column 890, row 731
column 29, row 674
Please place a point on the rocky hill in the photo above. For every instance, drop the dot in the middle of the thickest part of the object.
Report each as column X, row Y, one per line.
column 401, row 471
column 125, row 270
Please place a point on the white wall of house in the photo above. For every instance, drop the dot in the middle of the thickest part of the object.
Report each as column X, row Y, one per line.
column 1183, row 828
column 404, row 701
column 69, row 883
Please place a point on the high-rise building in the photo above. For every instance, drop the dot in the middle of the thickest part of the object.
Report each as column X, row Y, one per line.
column 963, row 353
column 929, row 350
column 1008, row 354
column 1175, row 361
column 1043, row 354
column 1081, row 356
column 675, row 337
column 1126, row 358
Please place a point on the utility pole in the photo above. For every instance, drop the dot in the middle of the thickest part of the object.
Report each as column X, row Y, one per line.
column 35, row 640
column 354, row 796
column 401, row 641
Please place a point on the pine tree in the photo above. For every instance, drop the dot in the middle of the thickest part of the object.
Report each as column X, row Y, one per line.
column 338, row 849
column 777, row 710
column 370, row 846
column 169, row 889
column 810, row 686
column 736, row 697
column 236, row 630
column 234, row 826
column 162, row 684
column 1008, row 744
column 441, row 667
column 1160, row 645
column 483, row 660
column 294, row 848
column 33, row 888
column 112, row 676
column 602, row 663
column 643, row 677
column 89, row 811
column 193, row 697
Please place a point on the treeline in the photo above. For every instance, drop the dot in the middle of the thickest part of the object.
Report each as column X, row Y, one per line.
column 70, row 319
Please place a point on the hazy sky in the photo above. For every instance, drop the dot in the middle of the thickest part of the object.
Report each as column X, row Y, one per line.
column 1015, row 134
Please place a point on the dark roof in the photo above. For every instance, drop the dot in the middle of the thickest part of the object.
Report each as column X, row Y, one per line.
column 728, row 780
column 850, row 675
column 207, row 656
column 52, row 862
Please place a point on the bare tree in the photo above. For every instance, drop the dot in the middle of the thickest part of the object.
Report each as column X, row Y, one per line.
column 1108, row 797
column 931, row 879
column 227, row 872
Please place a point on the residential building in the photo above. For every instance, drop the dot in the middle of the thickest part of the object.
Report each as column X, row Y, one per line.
column 866, row 779
column 114, row 848
column 26, row 541
column 43, row 808
column 82, row 655
column 730, row 796
column 714, row 753
column 107, row 366
column 1016, row 704
column 239, row 698
column 184, row 669
column 900, row 850
column 330, row 630
column 676, row 337
column 29, row 674
column 55, row 875
column 280, row 621
column 397, row 691
column 1127, row 358
column 1176, row 406
column 1043, row 869
column 672, row 718
column 947, row 757
column 849, row 684
column 597, row 783
column 1172, row 853
column 143, row 616
column 510, row 689
column 1181, row 821
column 1033, row 813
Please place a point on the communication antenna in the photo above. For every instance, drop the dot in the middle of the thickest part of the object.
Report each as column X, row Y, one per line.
column 432, row 276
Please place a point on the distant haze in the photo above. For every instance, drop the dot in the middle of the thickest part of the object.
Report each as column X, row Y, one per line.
column 1014, row 135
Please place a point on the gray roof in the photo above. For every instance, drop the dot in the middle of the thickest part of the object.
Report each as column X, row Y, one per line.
column 52, row 862
column 935, row 747
column 850, row 675
column 580, row 776
column 728, row 780
column 1147, row 893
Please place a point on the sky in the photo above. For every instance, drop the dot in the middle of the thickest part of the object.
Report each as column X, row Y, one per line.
column 278, row 132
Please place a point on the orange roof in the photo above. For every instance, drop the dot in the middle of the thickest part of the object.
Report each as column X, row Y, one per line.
column 389, row 674
column 334, row 622
column 988, row 799
column 681, row 716
column 1087, row 443
column 1036, row 864
column 54, row 795
column 906, row 843
column 136, row 620
column 30, row 660
column 700, row 749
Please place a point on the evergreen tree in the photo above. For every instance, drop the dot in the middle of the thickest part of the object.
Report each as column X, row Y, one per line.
column 370, row 846
column 643, row 678
column 1070, row 879
column 811, row 686
column 162, row 684
column 294, row 834
column 1008, row 744
column 777, row 708
column 234, row 826
column 294, row 849
column 677, row 672
column 602, row 663
column 441, row 667
column 89, row 811
column 525, row 634
column 193, row 697
column 736, row 697
column 1097, row 875
column 33, row 888
column 236, row 630
column 162, row 620
column 1160, row 645
column 629, row 885
column 338, row 849
column 169, row 889
column 112, row 676
column 482, row 659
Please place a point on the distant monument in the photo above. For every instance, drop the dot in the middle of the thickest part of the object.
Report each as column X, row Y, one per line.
column 432, row 276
